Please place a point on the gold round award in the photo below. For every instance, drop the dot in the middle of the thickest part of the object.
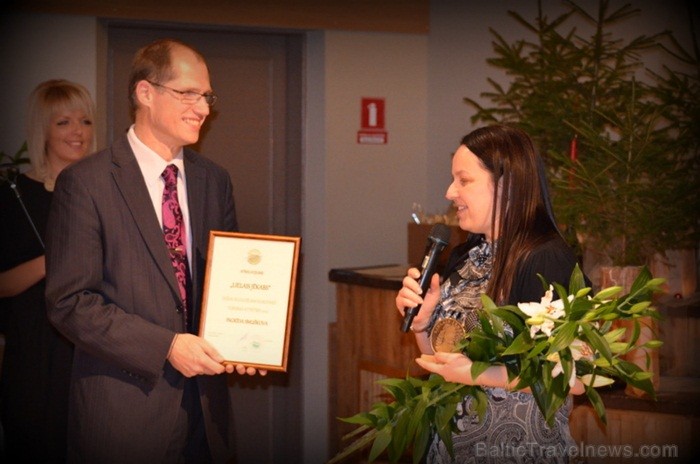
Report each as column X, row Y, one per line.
column 446, row 334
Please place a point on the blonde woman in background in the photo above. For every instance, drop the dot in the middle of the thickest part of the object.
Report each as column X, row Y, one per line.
column 37, row 359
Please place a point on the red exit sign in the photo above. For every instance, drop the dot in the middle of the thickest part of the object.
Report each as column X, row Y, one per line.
column 372, row 122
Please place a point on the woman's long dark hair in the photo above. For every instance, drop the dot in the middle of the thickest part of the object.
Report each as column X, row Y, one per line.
column 524, row 214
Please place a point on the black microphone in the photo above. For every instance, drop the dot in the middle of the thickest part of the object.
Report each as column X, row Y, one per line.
column 437, row 241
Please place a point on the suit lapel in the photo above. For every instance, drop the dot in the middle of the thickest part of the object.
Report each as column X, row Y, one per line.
column 196, row 181
column 129, row 180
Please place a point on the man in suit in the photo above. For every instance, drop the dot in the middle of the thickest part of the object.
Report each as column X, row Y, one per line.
column 145, row 387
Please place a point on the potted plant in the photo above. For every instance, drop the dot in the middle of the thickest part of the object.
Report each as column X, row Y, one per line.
column 11, row 164
column 621, row 142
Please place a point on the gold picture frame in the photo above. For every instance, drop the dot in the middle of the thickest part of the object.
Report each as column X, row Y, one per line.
column 248, row 300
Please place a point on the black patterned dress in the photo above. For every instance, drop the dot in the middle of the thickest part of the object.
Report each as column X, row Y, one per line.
column 513, row 429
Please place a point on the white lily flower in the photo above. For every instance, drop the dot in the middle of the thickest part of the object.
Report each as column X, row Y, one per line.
column 543, row 314
column 558, row 369
column 579, row 350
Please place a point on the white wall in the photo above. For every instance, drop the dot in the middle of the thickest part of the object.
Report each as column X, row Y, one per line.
column 370, row 184
column 35, row 48
column 352, row 213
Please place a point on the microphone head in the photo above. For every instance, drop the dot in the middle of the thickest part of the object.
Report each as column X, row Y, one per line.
column 440, row 233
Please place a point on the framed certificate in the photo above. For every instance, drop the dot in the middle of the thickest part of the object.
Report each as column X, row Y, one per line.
column 249, row 297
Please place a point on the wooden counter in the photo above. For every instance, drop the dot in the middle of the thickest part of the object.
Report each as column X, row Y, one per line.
column 672, row 422
column 366, row 344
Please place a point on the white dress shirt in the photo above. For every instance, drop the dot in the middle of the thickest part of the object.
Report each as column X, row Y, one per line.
column 152, row 166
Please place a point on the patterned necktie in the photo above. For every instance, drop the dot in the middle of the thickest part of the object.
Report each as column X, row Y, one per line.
column 174, row 232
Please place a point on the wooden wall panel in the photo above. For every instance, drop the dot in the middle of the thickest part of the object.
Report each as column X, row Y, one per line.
column 634, row 437
column 406, row 16
column 366, row 345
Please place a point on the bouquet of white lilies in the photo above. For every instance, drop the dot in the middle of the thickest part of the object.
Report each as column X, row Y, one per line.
column 545, row 346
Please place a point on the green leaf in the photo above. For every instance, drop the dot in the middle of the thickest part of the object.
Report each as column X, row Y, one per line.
column 512, row 316
column 582, row 309
column 358, row 431
column 565, row 334
column 597, row 403
column 415, row 419
column 540, row 346
column 640, row 282
column 362, row 418
column 598, row 343
column 420, row 445
column 577, row 281
column 634, row 376
column 381, row 442
column 478, row 368
column 487, row 303
column 520, row 344
column 634, row 336
column 400, row 432
column 479, row 403
column 561, row 292
column 398, row 388
column 614, row 335
column 445, row 434
column 364, row 441
column 543, row 396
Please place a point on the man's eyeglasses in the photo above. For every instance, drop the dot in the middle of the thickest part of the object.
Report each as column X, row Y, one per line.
column 189, row 97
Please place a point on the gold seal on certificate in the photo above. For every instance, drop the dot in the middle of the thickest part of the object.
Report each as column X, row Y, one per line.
column 446, row 334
